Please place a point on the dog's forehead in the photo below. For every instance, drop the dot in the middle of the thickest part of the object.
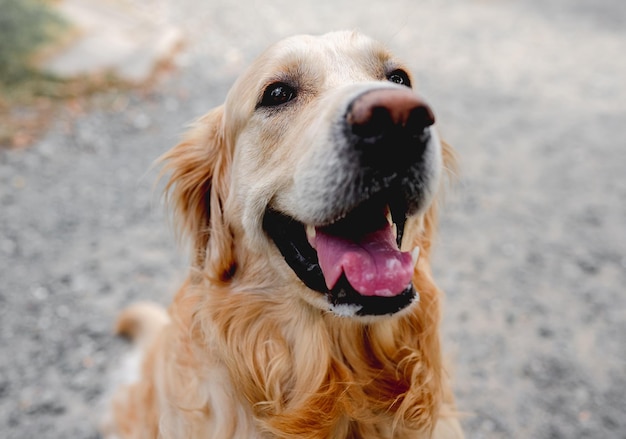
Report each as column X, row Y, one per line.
column 312, row 63
column 327, row 59
column 334, row 51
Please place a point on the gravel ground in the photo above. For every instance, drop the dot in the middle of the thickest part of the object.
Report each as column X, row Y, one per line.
column 532, row 250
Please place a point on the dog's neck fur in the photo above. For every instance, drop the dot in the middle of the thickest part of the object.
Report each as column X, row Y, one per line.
column 343, row 379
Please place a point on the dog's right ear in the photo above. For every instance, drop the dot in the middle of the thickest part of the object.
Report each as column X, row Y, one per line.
column 198, row 169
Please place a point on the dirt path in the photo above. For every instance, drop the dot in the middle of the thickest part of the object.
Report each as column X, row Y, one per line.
column 532, row 250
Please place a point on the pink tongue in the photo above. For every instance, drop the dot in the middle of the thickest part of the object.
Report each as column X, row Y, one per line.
column 372, row 263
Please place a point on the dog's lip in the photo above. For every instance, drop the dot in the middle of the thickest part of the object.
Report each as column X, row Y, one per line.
column 290, row 237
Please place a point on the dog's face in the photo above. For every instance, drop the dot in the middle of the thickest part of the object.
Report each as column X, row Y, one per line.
column 330, row 160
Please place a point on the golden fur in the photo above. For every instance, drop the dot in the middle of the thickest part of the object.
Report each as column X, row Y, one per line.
column 244, row 352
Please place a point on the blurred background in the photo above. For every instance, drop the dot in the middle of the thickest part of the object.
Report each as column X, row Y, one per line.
column 532, row 247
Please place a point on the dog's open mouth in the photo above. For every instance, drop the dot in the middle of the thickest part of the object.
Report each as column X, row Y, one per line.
column 356, row 261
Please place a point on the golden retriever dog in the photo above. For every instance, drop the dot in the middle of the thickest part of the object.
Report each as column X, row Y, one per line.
column 309, row 203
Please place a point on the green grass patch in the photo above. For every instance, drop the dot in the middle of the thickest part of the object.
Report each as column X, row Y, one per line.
column 25, row 26
column 25, row 93
column 28, row 96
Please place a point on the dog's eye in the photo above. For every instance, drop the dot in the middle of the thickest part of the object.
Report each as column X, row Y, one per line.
column 277, row 94
column 399, row 77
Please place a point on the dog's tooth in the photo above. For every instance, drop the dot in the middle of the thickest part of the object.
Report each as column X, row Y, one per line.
column 394, row 229
column 415, row 255
column 310, row 235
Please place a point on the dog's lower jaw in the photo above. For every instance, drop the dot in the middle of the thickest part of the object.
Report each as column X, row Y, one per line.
column 343, row 301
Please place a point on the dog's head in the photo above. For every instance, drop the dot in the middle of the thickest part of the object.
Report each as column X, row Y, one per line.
column 318, row 173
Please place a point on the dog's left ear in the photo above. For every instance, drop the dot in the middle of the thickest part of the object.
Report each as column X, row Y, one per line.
column 197, row 188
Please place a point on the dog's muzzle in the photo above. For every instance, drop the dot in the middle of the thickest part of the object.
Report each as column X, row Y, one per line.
column 353, row 255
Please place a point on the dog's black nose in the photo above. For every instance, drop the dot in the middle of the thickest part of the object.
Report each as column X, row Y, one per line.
column 389, row 121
